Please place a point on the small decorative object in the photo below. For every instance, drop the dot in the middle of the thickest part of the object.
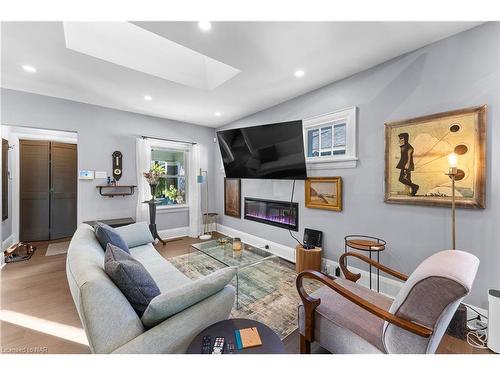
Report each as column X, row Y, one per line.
column 324, row 193
column 204, row 179
column 416, row 152
column 237, row 246
column 222, row 241
column 232, row 197
column 117, row 165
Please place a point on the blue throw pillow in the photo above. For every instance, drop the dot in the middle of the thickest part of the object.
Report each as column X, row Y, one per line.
column 105, row 234
column 130, row 277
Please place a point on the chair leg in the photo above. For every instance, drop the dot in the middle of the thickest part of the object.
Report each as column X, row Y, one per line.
column 305, row 346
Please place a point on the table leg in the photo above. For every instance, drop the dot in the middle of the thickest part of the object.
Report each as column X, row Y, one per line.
column 378, row 272
column 370, row 271
column 152, row 222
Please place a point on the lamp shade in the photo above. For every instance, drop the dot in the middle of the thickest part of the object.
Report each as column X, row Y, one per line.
column 201, row 178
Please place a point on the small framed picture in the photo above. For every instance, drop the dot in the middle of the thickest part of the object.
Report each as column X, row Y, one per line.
column 324, row 193
column 232, row 197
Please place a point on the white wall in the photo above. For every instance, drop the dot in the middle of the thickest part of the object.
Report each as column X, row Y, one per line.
column 457, row 72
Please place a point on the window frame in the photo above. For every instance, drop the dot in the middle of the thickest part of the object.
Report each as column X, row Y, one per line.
column 176, row 206
column 350, row 157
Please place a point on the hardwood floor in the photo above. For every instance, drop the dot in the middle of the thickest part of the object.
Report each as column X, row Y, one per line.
column 38, row 314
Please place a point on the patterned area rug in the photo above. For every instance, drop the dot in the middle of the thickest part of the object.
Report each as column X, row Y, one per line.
column 267, row 291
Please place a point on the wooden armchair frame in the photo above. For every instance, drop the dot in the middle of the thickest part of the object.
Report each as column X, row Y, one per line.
column 310, row 303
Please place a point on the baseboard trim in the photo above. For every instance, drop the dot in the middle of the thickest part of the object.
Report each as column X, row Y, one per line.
column 169, row 234
column 282, row 251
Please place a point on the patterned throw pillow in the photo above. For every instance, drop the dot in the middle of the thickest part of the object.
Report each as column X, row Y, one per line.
column 130, row 277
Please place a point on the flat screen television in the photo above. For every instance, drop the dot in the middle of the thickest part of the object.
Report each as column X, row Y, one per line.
column 274, row 151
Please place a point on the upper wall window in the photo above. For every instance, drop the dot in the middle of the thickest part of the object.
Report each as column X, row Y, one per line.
column 171, row 189
column 330, row 140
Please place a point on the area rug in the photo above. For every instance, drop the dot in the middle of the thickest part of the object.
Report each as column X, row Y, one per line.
column 57, row 248
column 267, row 292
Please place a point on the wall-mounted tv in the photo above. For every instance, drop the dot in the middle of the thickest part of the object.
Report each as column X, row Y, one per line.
column 274, row 151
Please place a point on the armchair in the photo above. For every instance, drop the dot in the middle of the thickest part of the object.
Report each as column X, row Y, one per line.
column 344, row 317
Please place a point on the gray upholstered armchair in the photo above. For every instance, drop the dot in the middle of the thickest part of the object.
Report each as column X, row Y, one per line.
column 344, row 317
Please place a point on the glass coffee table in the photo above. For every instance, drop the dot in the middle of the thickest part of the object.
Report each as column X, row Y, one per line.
column 258, row 270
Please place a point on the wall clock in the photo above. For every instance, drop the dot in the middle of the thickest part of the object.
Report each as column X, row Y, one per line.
column 117, row 165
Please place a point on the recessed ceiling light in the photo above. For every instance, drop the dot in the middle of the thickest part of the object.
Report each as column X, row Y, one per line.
column 204, row 25
column 299, row 73
column 218, row 114
column 148, row 97
column 29, row 68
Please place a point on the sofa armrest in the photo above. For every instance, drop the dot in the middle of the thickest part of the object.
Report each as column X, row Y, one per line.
column 136, row 234
column 172, row 302
column 176, row 333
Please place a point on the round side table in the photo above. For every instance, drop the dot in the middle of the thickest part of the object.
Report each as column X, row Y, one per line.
column 369, row 244
column 271, row 343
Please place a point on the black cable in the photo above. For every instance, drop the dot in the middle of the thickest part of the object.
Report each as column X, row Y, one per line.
column 477, row 312
column 291, row 213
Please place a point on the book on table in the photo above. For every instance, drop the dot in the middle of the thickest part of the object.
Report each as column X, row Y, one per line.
column 247, row 338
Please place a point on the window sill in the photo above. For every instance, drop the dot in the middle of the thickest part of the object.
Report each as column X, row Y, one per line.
column 337, row 163
column 172, row 208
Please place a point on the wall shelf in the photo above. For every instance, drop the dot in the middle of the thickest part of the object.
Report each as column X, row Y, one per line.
column 116, row 190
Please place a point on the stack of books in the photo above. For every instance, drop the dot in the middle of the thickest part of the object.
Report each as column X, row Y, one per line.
column 247, row 338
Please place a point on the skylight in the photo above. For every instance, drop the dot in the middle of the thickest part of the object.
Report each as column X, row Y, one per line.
column 133, row 47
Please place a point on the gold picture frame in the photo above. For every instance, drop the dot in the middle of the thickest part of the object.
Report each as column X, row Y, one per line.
column 232, row 197
column 416, row 159
column 324, row 193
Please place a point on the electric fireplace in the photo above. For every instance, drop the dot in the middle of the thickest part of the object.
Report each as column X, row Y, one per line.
column 278, row 213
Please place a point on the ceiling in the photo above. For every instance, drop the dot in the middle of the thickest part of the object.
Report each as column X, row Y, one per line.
column 266, row 54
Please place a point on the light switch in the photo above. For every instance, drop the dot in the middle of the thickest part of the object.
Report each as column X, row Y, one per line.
column 101, row 174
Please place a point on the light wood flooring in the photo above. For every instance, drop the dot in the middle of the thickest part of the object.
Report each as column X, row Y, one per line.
column 38, row 313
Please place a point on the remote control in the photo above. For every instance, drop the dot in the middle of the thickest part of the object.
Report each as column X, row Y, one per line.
column 206, row 345
column 218, row 345
column 230, row 347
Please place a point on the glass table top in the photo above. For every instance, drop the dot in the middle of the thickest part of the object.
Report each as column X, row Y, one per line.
column 225, row 254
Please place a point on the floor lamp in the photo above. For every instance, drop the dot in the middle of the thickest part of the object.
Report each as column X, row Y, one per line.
column 452, row 173
column 204, row 179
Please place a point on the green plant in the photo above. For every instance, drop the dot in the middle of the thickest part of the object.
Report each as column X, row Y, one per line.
column 171, row 193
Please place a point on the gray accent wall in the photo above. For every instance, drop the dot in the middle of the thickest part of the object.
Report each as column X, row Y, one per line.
column 460, row 71
column 100, row 132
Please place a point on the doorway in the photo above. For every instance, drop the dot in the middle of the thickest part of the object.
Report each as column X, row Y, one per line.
column 47, row 189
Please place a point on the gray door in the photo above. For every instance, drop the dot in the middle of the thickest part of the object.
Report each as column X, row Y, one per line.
column 34, row 190
column 63, row 189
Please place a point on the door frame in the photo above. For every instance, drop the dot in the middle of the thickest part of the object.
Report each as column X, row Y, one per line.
column 16, row 135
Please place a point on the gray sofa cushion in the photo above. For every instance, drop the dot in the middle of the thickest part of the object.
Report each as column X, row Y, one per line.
column 136, row 234
column 167, row 304
column 105, row 234
column 130, row 277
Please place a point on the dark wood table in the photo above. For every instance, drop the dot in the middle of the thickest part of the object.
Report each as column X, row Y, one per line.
column 114, row 223
column 271, row 343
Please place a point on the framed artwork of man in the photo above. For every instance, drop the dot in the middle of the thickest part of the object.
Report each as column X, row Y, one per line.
column 416, row 158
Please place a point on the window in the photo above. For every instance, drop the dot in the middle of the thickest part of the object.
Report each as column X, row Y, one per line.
column 171, row 189
column 331, row 140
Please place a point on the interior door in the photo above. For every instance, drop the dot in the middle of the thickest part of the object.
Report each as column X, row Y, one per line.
column 63, row 189
column 34, row 190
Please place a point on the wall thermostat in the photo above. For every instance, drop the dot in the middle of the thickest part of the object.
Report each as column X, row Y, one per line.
column 86, row 175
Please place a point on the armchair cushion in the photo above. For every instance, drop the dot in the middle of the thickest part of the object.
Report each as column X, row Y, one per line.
column 169, row 303
column 342, row 322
